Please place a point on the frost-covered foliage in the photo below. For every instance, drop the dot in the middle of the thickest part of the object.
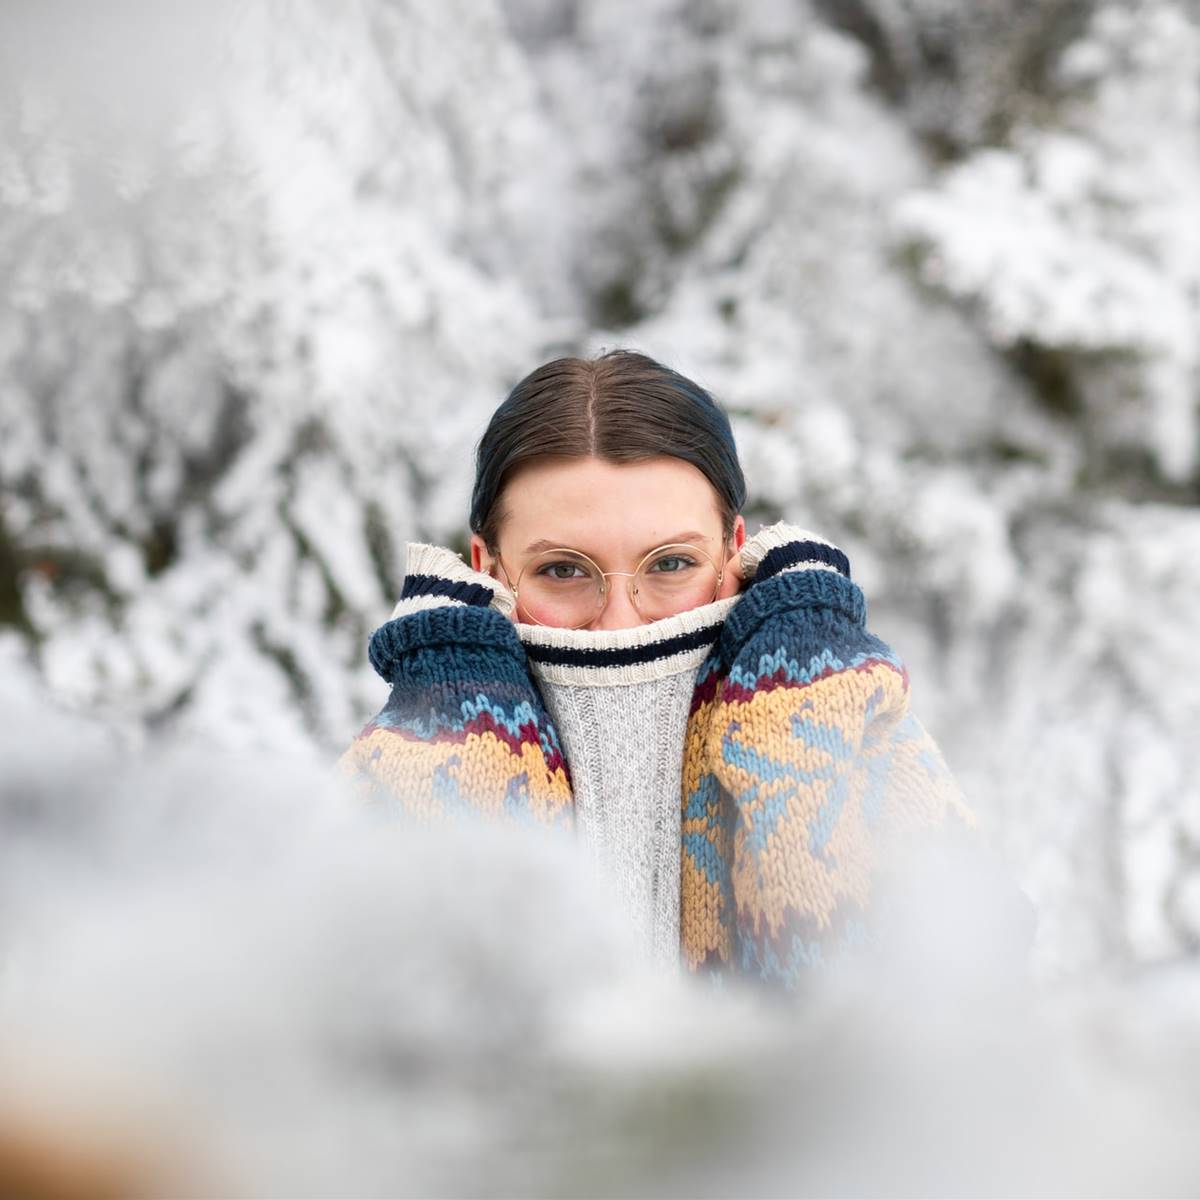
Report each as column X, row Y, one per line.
column 240, row 341
column 1076, row 249
column 961, row 74
column 1078, row 243
column 271, row 264
column 227, row 980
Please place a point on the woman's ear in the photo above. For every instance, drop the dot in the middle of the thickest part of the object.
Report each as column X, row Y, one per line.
column 732, row 582
column 481, row 560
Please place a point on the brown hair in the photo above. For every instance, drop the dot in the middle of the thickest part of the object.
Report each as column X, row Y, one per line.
column 622, row 407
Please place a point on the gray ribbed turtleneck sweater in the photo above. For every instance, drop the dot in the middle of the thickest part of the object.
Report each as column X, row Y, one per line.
column 619, row 700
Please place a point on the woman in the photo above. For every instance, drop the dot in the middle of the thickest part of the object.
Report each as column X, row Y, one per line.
column 708, row 711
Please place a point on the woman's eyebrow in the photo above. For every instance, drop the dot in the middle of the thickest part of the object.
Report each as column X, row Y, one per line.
column 689, row 535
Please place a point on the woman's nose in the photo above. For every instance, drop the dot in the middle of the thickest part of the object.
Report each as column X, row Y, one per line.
column 619, row 612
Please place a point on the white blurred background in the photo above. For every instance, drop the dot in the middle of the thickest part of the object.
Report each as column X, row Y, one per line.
column 267, row 268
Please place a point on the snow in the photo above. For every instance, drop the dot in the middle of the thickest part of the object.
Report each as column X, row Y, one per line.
column 217, row 962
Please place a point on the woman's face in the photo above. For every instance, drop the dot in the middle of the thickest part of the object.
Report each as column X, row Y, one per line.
column 615, row 513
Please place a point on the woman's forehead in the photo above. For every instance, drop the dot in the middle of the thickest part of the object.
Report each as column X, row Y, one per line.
column 623, row 505
column 666, row 480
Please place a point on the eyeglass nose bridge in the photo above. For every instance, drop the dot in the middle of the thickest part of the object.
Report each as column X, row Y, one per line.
column 629, row 587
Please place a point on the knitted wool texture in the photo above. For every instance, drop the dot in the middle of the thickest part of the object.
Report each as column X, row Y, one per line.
column 800, row 759
column 620, row 700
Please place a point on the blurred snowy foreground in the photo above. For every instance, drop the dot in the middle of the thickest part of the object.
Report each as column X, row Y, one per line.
column 217, row 976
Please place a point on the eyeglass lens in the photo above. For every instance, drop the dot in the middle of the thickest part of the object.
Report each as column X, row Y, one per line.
column 566, row 589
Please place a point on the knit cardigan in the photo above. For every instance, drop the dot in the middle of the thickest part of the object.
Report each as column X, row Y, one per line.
column 801, row 759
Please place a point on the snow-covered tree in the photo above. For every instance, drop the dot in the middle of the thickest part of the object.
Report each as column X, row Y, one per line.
column 246, row 342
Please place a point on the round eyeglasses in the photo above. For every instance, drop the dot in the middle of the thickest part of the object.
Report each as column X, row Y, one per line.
column 566, row 589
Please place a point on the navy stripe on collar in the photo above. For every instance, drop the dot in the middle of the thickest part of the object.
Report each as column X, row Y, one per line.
column 623, row 656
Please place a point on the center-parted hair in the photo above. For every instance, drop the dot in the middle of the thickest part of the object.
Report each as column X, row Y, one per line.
column 621, row 407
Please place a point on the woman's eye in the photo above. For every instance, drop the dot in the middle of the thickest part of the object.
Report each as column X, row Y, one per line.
column 562, row 570
column 672, row 562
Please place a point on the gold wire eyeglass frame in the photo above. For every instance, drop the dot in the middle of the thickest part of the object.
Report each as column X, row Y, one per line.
column 603, row 576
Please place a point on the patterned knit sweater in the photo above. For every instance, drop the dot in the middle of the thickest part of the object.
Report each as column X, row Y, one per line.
column 800, row 760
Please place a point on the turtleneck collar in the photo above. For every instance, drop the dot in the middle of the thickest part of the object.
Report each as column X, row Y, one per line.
column 641, row 654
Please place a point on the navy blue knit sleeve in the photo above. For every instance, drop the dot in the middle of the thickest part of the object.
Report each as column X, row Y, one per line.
column 464, row 729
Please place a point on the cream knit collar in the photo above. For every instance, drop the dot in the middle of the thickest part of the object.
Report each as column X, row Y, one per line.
column 641, row 654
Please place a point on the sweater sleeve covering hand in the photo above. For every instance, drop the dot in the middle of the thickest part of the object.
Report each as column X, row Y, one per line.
column 803, row 760
column 464, row 729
